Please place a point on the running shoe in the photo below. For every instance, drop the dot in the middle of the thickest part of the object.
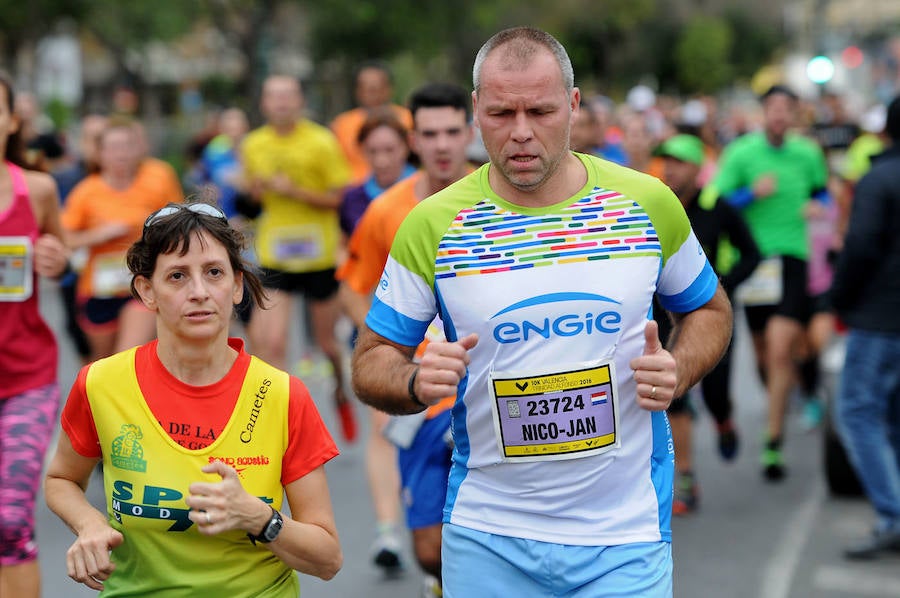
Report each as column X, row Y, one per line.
column 386, row 551
column 813, row 412
column 728, row 440
column 687, row 495
column 772, row 462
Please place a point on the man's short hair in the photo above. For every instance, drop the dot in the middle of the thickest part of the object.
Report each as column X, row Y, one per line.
column 378, row 65
column 441, row 95
column 525, row 38
column 778, row 90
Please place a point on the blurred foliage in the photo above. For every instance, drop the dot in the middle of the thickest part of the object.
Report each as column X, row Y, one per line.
column 356, row 30
column 614, row 44
column 59, row 112
column 702, row 54
column 755, row 43
column 23, row 22
column 123, row 26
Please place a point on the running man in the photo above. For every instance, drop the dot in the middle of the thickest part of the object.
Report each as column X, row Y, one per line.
column 441, row 132
column 295, row 168
column 542, row 265
column 771, row 175
column 374, row 86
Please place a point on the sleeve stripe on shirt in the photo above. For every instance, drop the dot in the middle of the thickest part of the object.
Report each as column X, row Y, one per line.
column 394, row 326
column 696, row 295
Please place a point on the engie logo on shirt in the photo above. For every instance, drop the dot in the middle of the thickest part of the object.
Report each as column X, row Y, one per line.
column 516, row 327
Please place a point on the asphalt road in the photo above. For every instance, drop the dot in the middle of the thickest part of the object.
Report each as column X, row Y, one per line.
column 749, row 539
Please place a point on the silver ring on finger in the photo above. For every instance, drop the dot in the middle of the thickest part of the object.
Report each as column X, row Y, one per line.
column 208, row 519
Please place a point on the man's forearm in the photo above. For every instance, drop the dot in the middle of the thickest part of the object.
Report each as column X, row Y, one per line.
column 699, row 340
column 381, row 372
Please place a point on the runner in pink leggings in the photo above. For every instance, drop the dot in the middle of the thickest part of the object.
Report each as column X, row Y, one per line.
column 29, row 397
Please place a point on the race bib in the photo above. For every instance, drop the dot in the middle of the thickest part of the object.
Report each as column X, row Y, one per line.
column 297, row 243
column 111, row 277
column 764, row 287
column 401, row 430
column 16, row 267
column 563, row 413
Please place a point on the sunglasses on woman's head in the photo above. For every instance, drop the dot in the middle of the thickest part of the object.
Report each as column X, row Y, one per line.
column 197, row 208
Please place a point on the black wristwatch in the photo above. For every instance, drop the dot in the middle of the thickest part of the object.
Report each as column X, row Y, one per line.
column 271, row 530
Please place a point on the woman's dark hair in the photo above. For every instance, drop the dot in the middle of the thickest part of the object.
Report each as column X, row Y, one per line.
column 382, row 117
column 175, row 232
column 15, row 146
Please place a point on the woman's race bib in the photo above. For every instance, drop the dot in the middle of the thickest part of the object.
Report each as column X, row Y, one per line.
column 111, row 277
column 16, row 267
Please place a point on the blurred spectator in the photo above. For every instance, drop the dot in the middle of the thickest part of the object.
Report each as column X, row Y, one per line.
column 639, row 142
column 125, row 101
column 771, row 176
column 220, row 161
column 195, row 177
column 374, row 87
column 32, row 120
column 44, row 148
column 385, row 144
column 607, row 143
column 693, row 119
column 29, row 395
column 833, row 127
column 583, row 133
column 105, row 213
column 871, row 142
column 86, row 162
column 683, row 157
column 866, row 293
column 296, row 170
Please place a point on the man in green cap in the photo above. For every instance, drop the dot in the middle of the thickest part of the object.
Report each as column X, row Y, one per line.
column 683, row 158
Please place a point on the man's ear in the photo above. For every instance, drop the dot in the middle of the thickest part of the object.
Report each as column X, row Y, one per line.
column 145, row 292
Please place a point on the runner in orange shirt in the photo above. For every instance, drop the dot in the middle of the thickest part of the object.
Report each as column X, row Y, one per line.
column 105, row 213
column 441, row 132
column 374, row 88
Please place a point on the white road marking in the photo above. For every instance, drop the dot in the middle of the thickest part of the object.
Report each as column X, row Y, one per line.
column 856, row 581
column 782, row 565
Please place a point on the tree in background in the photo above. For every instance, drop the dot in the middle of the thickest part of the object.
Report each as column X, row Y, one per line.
column 699, row 55
column 614, row 44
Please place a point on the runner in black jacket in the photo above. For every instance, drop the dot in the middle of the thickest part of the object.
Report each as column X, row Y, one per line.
column 684, row 156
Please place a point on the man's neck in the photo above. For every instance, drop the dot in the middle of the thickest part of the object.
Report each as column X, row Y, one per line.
column 428, row 185
column 568, row 178
column 775, row 140
column 284, row 128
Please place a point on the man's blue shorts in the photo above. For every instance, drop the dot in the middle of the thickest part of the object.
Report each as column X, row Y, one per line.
column 490, row 566
column 424, row 472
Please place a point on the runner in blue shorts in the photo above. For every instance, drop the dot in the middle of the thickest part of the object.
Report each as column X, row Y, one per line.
column 542, row 266
column 424, row 470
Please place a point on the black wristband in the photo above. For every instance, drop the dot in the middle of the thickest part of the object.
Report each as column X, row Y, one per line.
column 411, row 387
